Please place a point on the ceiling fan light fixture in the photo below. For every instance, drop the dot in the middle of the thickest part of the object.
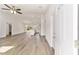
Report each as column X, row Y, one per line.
column 13, row 11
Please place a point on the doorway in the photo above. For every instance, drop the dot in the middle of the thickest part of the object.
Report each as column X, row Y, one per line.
column 9, row 30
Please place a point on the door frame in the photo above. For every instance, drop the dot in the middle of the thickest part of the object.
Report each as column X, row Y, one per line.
column 75, row 28
column 7, row 24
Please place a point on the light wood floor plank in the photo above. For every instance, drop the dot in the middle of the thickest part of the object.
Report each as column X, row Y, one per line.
column 25, row 45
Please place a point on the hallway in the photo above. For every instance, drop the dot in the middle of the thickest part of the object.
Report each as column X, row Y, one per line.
column 52, row 21
column 25, row 45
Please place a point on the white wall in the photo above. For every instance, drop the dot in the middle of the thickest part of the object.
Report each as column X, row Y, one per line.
column 43, row 25
column 49, row 25
column 59, row 24
column 64, row 30
column 2, row 26
column 75, row 26
column 16, row 26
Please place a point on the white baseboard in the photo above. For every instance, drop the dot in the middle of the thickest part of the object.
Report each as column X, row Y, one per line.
column 17, row 33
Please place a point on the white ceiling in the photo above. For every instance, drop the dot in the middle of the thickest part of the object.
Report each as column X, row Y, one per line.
column 29, row 8
column 30, row 11
column 32, row 8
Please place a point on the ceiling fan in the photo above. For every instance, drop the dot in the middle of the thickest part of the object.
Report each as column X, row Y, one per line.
column 12, row 9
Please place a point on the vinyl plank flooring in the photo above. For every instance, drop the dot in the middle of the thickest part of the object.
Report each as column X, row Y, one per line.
column 25, row 45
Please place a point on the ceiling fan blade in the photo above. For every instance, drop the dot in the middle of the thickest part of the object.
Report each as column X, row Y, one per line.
column 5, row 9
column 18, row 12
column 18, row 9
column 7, row 6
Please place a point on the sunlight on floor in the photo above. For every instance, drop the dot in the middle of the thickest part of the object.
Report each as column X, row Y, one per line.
column 5, row 48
